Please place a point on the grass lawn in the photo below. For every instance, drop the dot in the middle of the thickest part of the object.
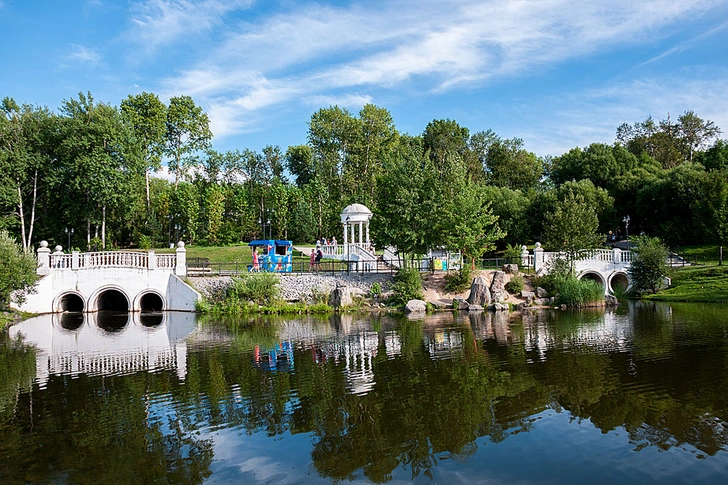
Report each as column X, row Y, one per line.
column 706, row 254
column 696, row 283
column 224, row 254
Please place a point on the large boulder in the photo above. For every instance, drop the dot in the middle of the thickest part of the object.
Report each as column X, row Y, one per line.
column 498, row 307
column 510, row 268
column 499, row 282
column 459, row 304
column 415, row 306
column 440, row 305
column 541, row 293
column 340, row 297
column 474, row 307
column 479, row 292
column 498, row 291
column 498, row 296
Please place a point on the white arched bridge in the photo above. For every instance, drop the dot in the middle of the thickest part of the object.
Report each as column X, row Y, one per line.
column 609, row 267
column 118, row 281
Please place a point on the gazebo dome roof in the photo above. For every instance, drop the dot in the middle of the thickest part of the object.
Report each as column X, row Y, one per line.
column 356, row 209
column 355, row 213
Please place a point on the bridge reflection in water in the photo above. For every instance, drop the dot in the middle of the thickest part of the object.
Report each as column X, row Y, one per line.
column 106, row 343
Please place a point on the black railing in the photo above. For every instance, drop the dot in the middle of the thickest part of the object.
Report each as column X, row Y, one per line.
column 201, row 267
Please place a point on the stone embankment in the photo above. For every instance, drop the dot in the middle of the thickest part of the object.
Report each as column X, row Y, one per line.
column 298, row 287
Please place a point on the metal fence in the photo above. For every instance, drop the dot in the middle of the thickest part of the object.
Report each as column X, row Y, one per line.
column 205, row 268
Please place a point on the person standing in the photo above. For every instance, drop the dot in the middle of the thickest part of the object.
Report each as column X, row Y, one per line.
column 256, row 261
column 312, row 261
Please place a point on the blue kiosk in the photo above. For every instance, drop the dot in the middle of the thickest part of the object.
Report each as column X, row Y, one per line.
column 274, row 256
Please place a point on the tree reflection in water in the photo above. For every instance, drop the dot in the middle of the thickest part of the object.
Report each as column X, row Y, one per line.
column 380, row 395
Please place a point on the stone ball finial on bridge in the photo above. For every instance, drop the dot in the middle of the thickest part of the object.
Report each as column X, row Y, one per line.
column 181, row 244
column 44, row 244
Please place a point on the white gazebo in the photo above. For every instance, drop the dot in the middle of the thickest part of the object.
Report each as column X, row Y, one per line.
column 352, row 216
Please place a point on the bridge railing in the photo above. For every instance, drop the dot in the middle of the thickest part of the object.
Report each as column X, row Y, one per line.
column 114, row 259
column 48, row 261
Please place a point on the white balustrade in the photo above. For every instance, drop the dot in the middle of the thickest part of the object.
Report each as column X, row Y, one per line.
column 166, row 261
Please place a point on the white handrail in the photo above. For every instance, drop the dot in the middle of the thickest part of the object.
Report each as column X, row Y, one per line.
column 390, row 257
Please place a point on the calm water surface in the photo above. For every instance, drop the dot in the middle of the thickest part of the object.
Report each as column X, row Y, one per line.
column 639, row 395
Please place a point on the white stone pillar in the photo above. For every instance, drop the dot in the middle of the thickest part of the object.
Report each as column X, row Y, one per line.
column 353, row 234
column 538, row 257
column 346, row 239
column 44, row 259
column 524, row 256
column 616, row 255
column 181, row 266
column 368, row 243
column 361, row 233
column 151, row 260
column 74, row 259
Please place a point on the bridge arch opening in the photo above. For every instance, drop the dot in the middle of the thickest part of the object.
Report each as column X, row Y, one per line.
column 112, row 300
column 71, row 302
column 619, row 282
column 589, row 275
column 71, row 321
column 151, row 302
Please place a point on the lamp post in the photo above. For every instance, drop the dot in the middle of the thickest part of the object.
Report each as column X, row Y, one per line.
column 626, row 229
column 69, row 233
column 265, row 224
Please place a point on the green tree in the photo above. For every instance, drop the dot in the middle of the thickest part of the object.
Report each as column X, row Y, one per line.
column 26, row 174
column 408, row 203
column 572, row 227
column 97, row 168
column 468, row 223
column 508, row 164
column 649, row 267
column 17, row 271
column 147, row 116
column 188, row 131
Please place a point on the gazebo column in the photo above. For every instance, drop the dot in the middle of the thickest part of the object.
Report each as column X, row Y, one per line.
column 367, row 233
column 361, row 233
column 346, row 239
column 353, row 234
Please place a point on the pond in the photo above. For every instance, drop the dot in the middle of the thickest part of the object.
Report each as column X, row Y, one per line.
column 636, row 395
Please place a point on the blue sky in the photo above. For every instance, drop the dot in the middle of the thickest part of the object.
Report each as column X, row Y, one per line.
column 557, row 73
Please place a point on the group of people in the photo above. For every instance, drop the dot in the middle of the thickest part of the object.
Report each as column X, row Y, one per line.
column 316, row 256
column 326, row 242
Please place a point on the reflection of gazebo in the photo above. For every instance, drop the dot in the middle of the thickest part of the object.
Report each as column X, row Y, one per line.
column 352, row 216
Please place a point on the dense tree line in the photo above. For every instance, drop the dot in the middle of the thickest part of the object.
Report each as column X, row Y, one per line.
column 91, row 166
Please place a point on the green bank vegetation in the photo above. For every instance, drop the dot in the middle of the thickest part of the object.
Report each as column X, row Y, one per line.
column 90, row 166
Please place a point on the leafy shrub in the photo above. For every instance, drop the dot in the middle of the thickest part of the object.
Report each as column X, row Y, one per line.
column 649, row 267
column 260, row 288
column 576, row 293
column 515, row 285
column 458, row 281
column 376, row 289
column 144, row 242
column 559, row 271
column 513, row 254
column 319, row 295
column 407, row 286
column 17, row 271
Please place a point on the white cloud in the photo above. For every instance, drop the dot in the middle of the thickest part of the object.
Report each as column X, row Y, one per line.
column 314, row 52
column 160, row 22
column 593, row 116
column 82, row 54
